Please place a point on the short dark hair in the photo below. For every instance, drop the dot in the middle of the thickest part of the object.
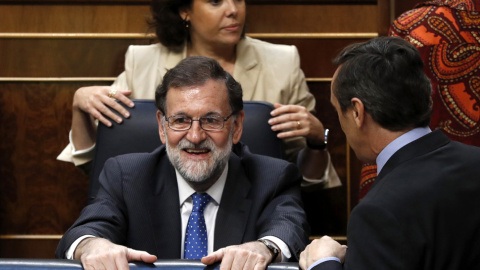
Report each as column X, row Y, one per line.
column 194, row 71
column 386, row 74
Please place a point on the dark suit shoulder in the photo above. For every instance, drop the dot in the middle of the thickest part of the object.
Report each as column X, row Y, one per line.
column 136, row 164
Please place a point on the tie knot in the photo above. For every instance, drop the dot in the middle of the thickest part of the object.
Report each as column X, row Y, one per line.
column 200, row 200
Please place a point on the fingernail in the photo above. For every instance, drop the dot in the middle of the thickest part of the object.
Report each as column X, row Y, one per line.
column 119, row 120
column 127, row 114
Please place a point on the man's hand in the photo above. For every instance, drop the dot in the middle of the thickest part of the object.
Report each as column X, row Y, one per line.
column 251, row 255
column 99, row 253
column 320, row 249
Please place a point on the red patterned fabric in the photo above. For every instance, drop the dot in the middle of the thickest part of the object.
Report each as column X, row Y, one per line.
column 447, row 34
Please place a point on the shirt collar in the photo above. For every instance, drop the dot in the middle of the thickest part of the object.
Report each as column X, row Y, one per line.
column 215, row 191
column 398, row 143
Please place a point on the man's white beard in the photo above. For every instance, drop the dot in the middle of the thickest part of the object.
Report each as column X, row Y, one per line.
column 204, row 170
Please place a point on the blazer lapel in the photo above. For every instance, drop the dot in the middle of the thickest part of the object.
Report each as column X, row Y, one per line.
column 234, row 207
column 247, row 69
column 165, row 213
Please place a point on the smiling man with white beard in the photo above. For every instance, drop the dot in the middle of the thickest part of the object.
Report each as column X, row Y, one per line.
column 193, row 197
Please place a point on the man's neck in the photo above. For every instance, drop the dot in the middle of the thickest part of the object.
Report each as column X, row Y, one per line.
column 383, row 137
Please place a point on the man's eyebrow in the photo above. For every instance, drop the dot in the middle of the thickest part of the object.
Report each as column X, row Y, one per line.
column 180, row 113
column 213, row 113
column 210, row 113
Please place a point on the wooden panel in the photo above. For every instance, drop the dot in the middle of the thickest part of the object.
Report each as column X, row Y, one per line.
column 105, row 57
column 28, row 248
column 64, row 57
column 311, row 18
column 132, row 18
column 74, row 18
column 38, row 194
column 316, row 55
column 327, row 209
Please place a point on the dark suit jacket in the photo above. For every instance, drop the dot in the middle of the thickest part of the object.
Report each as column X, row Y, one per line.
column 138, row 204
column 421, row 212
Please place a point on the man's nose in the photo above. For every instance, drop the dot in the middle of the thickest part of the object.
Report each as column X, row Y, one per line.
column 196, row 134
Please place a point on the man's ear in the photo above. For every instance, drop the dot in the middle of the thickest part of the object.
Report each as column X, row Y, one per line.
column 358, row 112
column 161, row 131
column 238, row 127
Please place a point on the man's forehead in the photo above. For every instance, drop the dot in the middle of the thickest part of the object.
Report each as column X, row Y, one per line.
column 207, row 86
column 212, row 95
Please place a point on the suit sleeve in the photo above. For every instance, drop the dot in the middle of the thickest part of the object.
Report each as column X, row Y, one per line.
column 105, row 217
column 329, row 265
column 377, row 240
column 283, row 216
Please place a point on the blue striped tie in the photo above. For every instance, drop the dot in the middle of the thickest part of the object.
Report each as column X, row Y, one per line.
column 196, row 240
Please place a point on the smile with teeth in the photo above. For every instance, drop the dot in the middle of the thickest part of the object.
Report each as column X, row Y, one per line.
column 196, row 151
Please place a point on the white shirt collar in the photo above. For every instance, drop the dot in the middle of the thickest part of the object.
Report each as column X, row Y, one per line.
column 215, row 191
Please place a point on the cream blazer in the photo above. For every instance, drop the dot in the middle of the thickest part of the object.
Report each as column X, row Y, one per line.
column 267, row 72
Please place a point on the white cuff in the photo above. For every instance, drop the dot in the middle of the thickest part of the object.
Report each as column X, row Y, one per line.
column 69, row 253
column 70, row 154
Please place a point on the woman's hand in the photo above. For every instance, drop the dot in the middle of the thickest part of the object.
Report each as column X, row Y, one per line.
column 296, row 120
column 98, row 101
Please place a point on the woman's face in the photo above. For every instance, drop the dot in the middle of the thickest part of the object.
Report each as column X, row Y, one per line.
column 215, row 22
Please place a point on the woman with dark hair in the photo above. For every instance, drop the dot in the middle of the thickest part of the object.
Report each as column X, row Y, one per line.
column 215, row 29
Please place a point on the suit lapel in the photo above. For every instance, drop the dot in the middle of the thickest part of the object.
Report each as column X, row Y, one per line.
column 234, row 208
column 164, row 211
column 247, row 69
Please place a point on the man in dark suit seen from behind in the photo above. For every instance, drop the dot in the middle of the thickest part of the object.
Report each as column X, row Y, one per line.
column 247, row 209
column 421, row 212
